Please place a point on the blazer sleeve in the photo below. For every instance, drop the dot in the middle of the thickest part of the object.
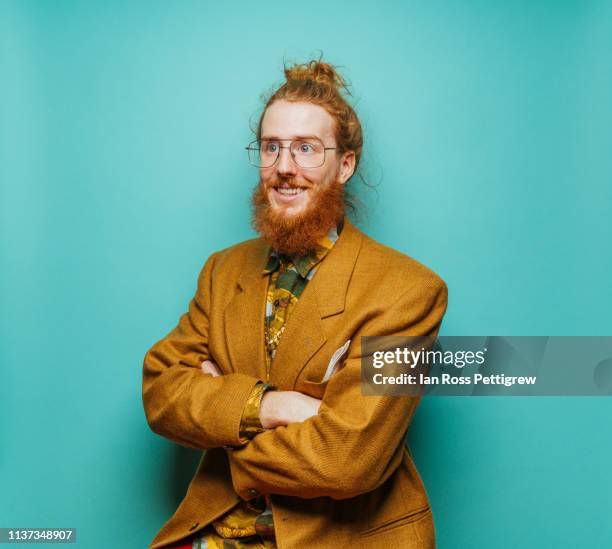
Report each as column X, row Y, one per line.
column 355, row 442
column 182, row 403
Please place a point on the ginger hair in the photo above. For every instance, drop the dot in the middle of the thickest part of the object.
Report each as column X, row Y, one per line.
column 320, row 83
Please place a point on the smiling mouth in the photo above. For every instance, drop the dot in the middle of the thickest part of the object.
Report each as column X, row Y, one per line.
column 287, row 190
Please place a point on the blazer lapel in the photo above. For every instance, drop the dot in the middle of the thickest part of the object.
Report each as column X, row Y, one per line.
column 323, row 296
column 244, row 316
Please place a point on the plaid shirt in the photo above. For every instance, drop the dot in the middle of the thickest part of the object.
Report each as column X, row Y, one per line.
column 249, row 523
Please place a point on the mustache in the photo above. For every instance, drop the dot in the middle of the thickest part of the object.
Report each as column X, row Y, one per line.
column 278, row 181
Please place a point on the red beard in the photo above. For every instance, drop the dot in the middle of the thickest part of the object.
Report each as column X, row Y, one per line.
column 296, row 235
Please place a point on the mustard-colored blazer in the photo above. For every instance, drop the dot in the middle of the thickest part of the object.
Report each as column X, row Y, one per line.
column 340, row 479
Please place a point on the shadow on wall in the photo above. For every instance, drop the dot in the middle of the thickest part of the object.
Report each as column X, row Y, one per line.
column 185, row 463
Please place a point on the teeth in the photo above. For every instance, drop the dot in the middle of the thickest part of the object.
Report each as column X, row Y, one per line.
column 289, row 191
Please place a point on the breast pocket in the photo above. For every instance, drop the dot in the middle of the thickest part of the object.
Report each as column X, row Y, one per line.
column 311, row 388
column 314, row 378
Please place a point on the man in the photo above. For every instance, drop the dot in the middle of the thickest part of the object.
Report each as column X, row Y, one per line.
column 263, row 371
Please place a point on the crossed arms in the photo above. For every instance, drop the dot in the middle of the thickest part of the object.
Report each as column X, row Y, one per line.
column 351, row 445
column 277, row 407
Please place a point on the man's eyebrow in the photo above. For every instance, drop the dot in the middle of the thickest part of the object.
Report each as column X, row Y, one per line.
column 276, row 138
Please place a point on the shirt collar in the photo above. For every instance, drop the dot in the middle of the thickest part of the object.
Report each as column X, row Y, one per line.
column 304, row 264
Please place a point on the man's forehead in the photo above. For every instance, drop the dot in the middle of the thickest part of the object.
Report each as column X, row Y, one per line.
column 291, row 120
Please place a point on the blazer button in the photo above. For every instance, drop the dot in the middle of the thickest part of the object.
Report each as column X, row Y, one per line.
column 252, row 492
column 194, row 526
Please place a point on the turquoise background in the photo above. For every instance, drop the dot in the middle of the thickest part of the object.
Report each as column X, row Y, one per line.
column 122, row 127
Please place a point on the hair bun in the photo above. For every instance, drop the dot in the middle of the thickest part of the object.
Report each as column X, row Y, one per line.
column 319, row 72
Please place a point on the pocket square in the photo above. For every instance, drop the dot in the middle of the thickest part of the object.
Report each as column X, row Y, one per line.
column 335, row 359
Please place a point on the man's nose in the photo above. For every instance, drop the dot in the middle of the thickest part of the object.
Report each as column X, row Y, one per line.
column 285, row 164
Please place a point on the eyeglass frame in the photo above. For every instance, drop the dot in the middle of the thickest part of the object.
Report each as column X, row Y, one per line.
column 280, row 147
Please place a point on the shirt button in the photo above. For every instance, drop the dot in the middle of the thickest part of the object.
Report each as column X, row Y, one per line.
column 252, row 492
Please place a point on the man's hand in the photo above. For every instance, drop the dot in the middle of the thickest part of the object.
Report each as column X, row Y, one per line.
column 209, row 367
column 285, row 407
column 277, row 407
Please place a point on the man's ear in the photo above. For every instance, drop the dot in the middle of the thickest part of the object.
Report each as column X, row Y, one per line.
column 347, row 167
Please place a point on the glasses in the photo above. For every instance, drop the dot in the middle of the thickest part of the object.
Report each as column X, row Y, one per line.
column 306, row 153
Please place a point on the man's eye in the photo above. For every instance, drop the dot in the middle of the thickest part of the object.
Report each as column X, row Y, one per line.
column 305, row 148
column 270, row 147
